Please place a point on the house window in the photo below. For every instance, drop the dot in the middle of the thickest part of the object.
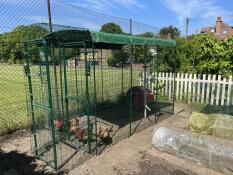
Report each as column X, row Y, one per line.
column 224, row 32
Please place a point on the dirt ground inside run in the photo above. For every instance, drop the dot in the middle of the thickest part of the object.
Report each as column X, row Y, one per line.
column 133, row 156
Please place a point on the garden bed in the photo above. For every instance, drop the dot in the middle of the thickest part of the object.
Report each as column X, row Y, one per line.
column 174, row 136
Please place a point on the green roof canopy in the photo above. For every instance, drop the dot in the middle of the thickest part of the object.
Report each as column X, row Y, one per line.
column 65, row 36
column 128, row 39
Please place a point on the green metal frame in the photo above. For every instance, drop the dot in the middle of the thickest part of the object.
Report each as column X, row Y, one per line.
column 34, row 105
column 86, row 40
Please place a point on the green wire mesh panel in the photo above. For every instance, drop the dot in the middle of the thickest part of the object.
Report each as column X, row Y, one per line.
column 58, row 80
column 84, row 96
column 112, row 84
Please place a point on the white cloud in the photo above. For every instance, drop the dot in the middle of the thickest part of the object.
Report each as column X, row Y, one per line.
column 130, row 4
column 107, row 5
column 205, row 10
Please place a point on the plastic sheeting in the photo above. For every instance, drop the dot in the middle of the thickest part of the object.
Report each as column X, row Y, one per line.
column 195, row 148
column 220, row 125
column 223, row 127
column 202, row 123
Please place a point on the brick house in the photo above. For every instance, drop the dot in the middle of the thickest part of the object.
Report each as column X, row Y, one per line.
column 221, row 30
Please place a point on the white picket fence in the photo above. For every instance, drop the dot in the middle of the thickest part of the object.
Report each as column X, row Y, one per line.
column 205, row 89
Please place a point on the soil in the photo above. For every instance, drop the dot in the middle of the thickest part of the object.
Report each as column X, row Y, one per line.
column 150, row 165
column 130, row 156
column 157, row 166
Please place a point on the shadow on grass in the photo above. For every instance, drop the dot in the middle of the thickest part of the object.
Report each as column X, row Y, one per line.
column 22, row 164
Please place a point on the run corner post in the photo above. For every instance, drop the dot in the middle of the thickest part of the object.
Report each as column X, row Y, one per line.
column 51, row 112
column 145, row 83
column 131, row 79
column 174, row 77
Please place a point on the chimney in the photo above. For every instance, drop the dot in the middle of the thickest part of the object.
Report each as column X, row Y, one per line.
column 218, row 25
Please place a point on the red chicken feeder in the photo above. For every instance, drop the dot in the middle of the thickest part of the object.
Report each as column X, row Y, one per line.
column 137, row 96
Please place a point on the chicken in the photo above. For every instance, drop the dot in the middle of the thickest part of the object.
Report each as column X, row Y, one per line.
column 74, row 125
column 81, row 135
column 58, row 124
column 104, row 133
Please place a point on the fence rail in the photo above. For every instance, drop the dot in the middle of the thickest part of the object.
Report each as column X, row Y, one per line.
column 195, row 88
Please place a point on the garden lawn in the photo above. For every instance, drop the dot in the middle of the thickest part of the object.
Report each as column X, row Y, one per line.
column 13, row 112
column 13, row 106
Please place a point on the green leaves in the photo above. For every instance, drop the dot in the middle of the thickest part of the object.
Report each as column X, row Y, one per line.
column 173, row 31
column 202, row 54
column 11, row 47
column 215, row 56
column 111, row 28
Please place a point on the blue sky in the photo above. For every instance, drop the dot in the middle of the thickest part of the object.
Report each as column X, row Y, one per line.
column 165, row 12
column 158, row 13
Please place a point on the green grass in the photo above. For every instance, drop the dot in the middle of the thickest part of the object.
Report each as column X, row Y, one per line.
column 13, row 107
column 13, row 112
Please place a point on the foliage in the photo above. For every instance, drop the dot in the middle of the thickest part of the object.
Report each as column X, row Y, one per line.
column 215, row 56
column 165, row 59
column 11, row 47
column 111, row 28
column 147, row 34
column 173, row 31
column 202, row 54
column 187, row 54
column 139, row 51
column 118, row 56
column 111, row 60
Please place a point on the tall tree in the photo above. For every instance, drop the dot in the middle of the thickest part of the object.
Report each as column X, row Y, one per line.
column 173, row 31
column 147, row 34
column 111, row 28
column 12, row 41
column 116, row 56
column 215, row 57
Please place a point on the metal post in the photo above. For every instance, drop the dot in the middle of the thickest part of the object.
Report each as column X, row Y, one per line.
column 87, row 73
column 122, row 75
column 28, row 74
column 157, row 75
column 51, row 114
column 145, row 83
column 186, row 30
column 95, row 99
column 174, row 78
column 102, row 80
column 66, row 118
column 61, row 85
column 122, row 85
column 49, row 15
column 76, row 82
column 53, row 56
column 131, row 80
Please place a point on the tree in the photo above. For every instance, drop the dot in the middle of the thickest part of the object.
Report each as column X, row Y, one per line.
column 147, row 34
column 111, row 28
column 116, row 57
column 215, row 57
column 11, row 49
column 204, row 54
column 173, row 31
column 139, row 51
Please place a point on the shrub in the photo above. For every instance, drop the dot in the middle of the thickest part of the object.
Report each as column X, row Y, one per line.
column 111, row 60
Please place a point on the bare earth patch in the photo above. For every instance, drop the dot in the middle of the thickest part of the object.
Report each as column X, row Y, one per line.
column 133, row 156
